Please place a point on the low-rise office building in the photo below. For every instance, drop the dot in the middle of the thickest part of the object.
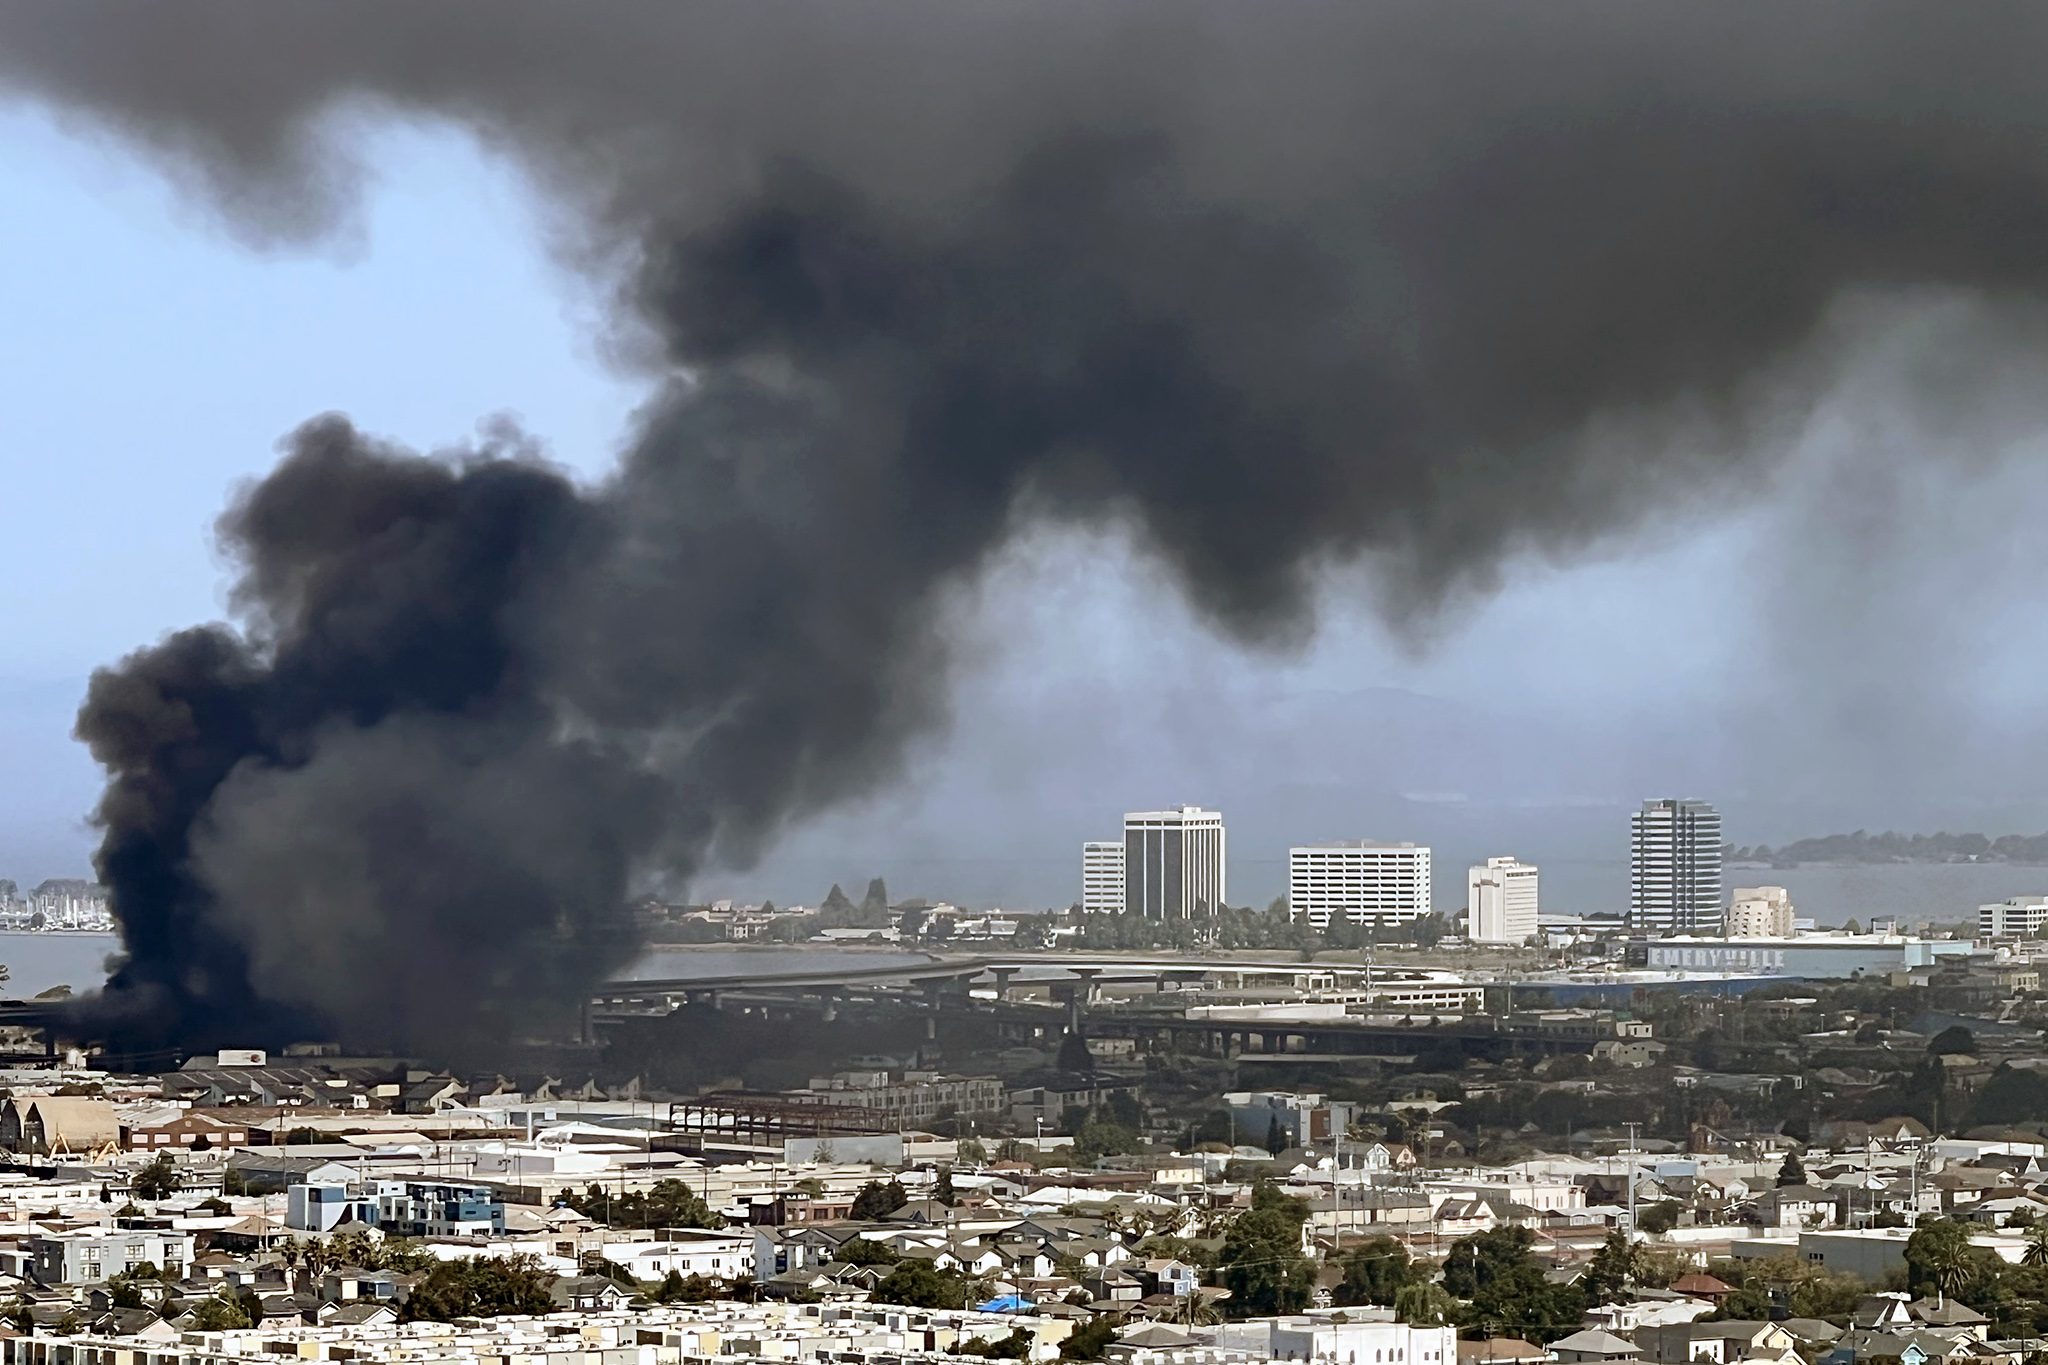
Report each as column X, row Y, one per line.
column 95, row 1254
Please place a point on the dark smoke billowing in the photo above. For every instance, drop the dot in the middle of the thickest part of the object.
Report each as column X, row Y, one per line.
column 1415, row 285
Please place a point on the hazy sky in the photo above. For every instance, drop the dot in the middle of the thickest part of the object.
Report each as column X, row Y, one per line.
column 1856, row 639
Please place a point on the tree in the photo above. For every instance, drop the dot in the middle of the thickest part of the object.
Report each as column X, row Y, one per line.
column 943, row 1190
column 158, row 1180
column 1791, row 1173
column 233, row 1182
column 1852, row 927
column 1939, row 1257
column 1955, row 1040
column 1424, row 1304
column 1088, row 1341
column 1608, row 1274
column 972, row 1152
column 2037, row 1245
column 1074, row 1055
column 1016, row 1346
column 1276, row 1136
column 1262, row 1262
column 1661, row 1216
column 2009, row 1096
column 481, row 1287
column 1375, row 1272
column 1506, row 1289
column 669, row 1204
column 919, row 1284
column 218, row 1314
column 1096, row 1139
column 877, row 1200
column 862, row 1251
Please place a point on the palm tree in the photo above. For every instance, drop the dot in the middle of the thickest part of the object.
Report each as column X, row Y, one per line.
column 2037, row 1245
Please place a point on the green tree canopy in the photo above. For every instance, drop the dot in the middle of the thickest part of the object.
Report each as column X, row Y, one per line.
column 160, row 1179
column 1505, row 1288
column 863, row 1251
column 1953, row 1040
column 2011, row 1096
column 1262, row 1262
column 878, row 1200
column 919, row 1284
column 1940, row 1258
column 480, row 1287
column 1791, row 1173
column 1375, row 1272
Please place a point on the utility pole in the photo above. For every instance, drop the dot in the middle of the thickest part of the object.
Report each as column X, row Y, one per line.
column 1630, row 1176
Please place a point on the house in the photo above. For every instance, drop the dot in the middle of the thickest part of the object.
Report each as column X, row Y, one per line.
column 353, row 1284
column 431, row 1094
column 1151, row 1345
column 1882, row 1312
column 1114, row 1286
column 713, row 1254
column 1716, row 1343
column 1385, row 1156
column 1460, row 1217
column 132, row 1322
column 1592, row 1345
column 366, row 1313
column 92, row 1255
column 1797, row 1206
column 1175, row 1278
column 1629, row 1053
column 1949, row 1318
column 590, row 1294
column 1697, row 1285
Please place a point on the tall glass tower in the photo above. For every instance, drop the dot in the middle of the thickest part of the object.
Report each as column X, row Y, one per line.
column 1174, row 863
column 1674, row 869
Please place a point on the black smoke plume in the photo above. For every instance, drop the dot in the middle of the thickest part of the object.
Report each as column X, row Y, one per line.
column 1413, row 286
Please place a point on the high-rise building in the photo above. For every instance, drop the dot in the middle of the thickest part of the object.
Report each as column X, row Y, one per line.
column 1173, row 863
column 1759, row 912
column 1500, row 901
column 1674, row 868
column 1102, row 878
column 2020, row 917
column 1359, row 881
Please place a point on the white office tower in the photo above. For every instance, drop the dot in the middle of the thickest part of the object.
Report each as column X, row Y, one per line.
column 1359, row 881
column 1760, row 912
column 1500, row 901
column 2019, row 917
column 1173, row 863
column 1674, row 869
column 1102, row 878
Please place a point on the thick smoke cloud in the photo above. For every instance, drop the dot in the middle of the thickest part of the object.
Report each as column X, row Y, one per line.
column 1416, row 287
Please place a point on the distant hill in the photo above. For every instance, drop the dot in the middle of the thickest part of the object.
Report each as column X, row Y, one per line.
column 1891, row 847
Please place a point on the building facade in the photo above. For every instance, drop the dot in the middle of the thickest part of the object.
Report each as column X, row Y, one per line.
column 1174, row 863
column 1500, row 901
column 1674, row 868
column 1358, row 881
column 920, row 1097
column 91, row 1255
column 2020, row 917
column 1760, row 912
column 1102, row 878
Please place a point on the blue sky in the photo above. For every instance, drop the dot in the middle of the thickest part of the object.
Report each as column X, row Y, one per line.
column 1855, row 639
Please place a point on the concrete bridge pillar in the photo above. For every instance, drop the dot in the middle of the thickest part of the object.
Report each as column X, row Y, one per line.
column 1003, row 975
